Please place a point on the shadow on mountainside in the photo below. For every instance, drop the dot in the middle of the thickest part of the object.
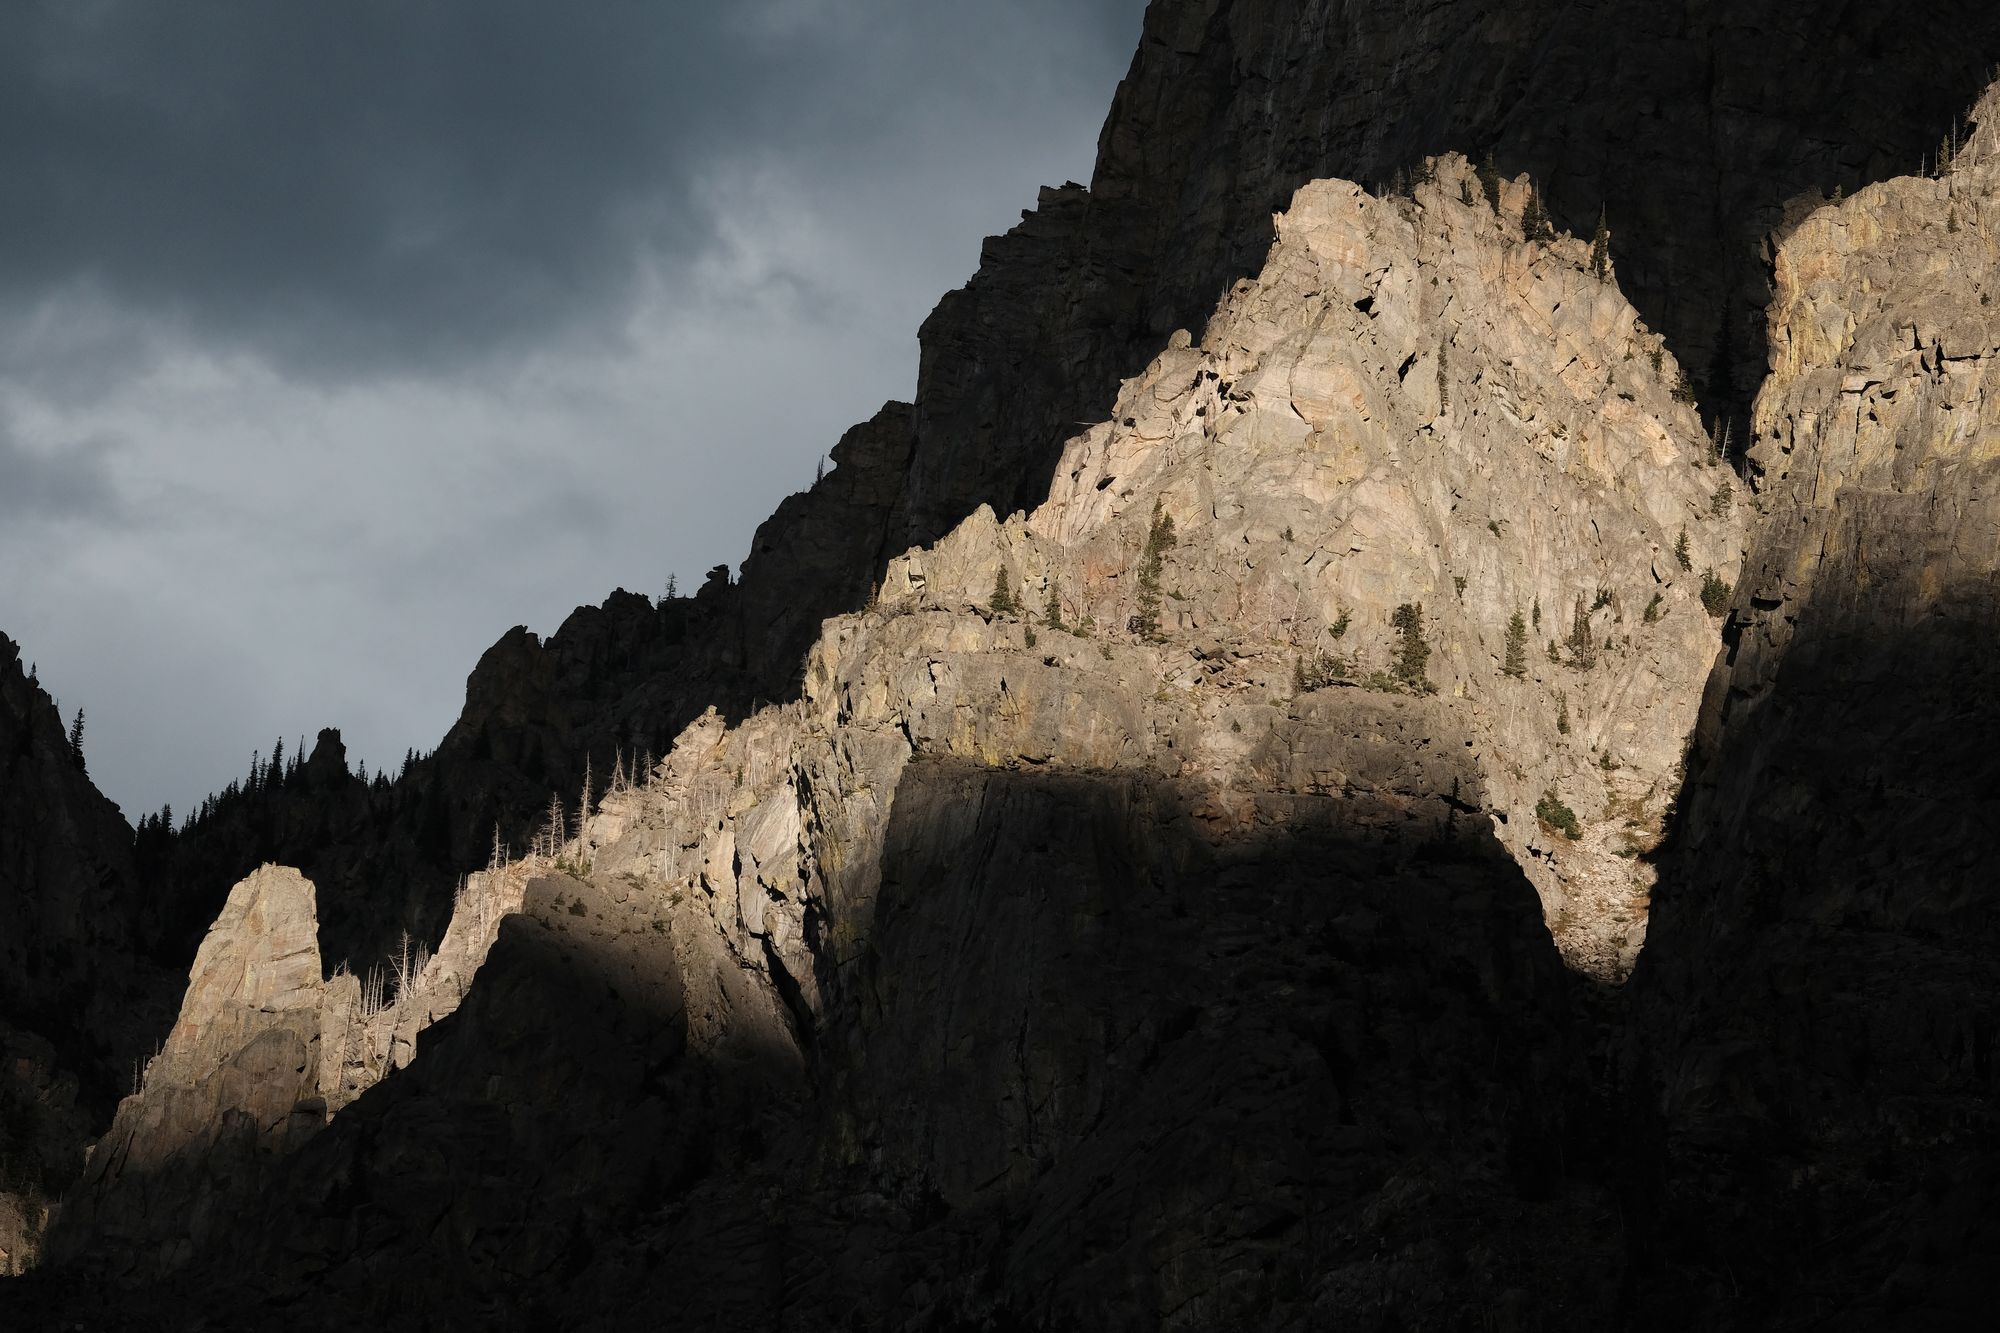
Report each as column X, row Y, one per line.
column 1815, row 1014
column 1107, row 1054
column 1110, row 1051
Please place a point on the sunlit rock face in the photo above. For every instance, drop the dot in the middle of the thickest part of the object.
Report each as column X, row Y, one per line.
column 265, row 1049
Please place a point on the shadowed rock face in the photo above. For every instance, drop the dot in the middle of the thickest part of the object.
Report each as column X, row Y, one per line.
column 1818, row 1004
column 1078, row 1080
column 1144, row 1059
column 69, row 899
column 76, row 1003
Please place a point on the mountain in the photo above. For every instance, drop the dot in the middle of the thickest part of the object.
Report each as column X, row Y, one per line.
column 1158, row 837
column 908, row 963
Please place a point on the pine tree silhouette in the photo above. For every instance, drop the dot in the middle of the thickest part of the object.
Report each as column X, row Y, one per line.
column 76, row 743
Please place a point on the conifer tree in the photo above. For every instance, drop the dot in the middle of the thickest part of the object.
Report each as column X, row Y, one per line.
column 1160, row 539
column 1582, row 643
column 76, row 743
column 1413, row 654
column 1517, row 646
column 1600, row 247
column 1002, row 601
column 1535, row 224
column 1052, row 612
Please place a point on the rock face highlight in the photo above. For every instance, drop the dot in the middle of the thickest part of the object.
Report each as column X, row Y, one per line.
column 265, row 1049
column 237, row 1079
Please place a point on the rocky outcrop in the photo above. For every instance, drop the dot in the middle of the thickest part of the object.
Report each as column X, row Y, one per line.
column 236, row 1080
column 1821, row 993
column 265, row 1049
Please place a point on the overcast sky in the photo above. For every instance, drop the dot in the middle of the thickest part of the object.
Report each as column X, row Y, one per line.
column 338, row 336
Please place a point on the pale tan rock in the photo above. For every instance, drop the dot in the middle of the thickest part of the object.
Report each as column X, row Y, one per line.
column 1409, row 396
column 264, row 1051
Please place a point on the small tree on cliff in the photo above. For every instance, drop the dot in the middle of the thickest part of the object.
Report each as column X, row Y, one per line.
column 1535, row 223
column 1517, row 646
column 1489, row 181
column 1413, row 654
column 1582, row 643
column 1160, row 539
column 1600, row 248
column 1002, row 601
column 76, row 742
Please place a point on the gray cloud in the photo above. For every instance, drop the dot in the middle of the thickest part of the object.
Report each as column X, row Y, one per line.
column 68, row 483
column 412, row 322
column 373, row 184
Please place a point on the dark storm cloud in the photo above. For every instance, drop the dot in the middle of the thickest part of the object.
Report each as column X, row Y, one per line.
column 69, row 484
column 345, row 187
column 407, row 322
